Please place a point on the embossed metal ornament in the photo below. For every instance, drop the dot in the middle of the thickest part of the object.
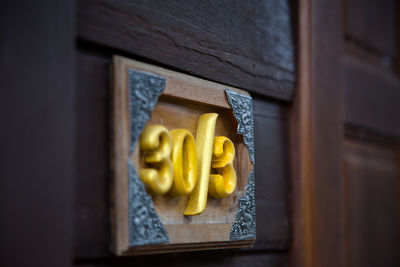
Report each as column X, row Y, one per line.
column 245, row 224
column 144, row 90
column 242, row 106
column 145, row 226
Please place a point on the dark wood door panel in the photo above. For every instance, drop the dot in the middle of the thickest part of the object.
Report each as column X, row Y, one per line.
column 371, row 26
column 92, row 226
column 37, row 137
column 371, row 188
column 246, row 44
column 372, row 131
column 371, row 97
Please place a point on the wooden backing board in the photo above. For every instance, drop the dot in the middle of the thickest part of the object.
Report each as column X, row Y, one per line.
column 184, row 99
column 257, row 53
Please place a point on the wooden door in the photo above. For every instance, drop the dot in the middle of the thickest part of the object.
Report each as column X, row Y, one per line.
column 55, row 60
column 371, row 166
column 348, row 114
column 324, row 76
column 246, row 44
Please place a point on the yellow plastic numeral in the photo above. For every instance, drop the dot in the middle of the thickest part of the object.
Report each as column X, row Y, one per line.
column 184, row 160
column 156, row 143
column 204, row 144
column 222, row 184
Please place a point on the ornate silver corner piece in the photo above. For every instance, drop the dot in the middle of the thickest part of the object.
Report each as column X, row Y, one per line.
column 242, row 106
column 144, row 90
column 145, row 226
column 245, row 224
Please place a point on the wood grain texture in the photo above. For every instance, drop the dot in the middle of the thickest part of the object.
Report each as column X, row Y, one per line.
column 204, row 258
column 370, row 136
column 92, row 212
column 302, row 250
column 37, row 137
column 371, row 97
column 327, row 132
column 92, row 206
column 371, row 175
column 246, row 44
column 272, row 176
column 316, row 136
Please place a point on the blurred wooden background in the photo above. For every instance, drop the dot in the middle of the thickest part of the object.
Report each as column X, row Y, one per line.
column 325, row 79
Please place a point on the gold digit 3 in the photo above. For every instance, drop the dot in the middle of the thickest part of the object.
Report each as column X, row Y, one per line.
column 156, row 144
column 222, row 184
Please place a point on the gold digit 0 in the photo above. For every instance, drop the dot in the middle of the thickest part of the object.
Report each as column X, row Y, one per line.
column 184, row 160
column 156, row 144
column 224, row 183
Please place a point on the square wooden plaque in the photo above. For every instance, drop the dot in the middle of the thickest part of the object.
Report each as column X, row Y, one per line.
column 141, row 223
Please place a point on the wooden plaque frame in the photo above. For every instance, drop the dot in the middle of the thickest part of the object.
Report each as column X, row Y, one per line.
column 225, row 223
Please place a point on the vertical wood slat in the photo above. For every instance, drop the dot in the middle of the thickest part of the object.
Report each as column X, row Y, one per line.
column 301, row 144
column 272, row 176
column 316, row 133
column 371, row 183
column 327, row 132
column 37, row 154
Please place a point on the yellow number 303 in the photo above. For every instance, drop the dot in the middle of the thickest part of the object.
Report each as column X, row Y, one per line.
column 178, row 164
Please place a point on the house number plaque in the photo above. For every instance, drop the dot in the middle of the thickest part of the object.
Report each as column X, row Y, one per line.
column 182, row 162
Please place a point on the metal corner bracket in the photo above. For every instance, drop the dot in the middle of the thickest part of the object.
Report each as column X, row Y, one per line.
column 145, row 226
column 245, row 225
